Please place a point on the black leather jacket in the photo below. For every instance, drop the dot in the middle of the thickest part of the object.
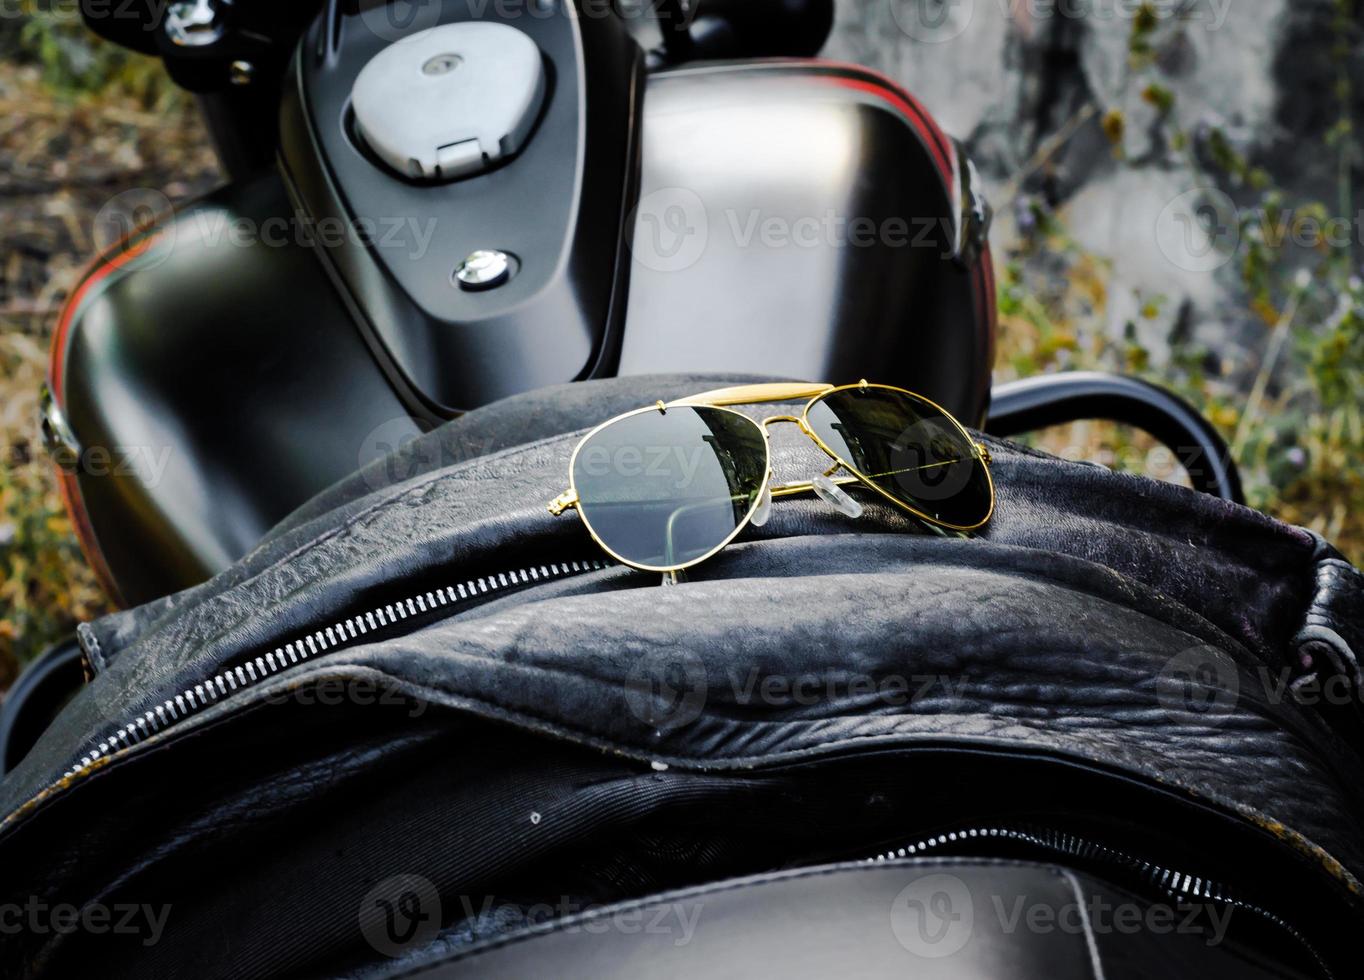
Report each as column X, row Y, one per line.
column 1118, row 675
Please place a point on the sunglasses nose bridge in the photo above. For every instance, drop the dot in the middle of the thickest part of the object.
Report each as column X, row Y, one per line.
column 798, row 421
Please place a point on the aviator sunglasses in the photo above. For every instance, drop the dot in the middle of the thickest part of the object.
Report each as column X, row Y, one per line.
column 665, row 487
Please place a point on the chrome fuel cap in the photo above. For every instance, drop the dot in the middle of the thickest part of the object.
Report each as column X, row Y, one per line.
column 450, row 101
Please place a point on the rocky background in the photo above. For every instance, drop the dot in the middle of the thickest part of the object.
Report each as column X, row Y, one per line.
column 1177, row 193
column 1177, row 186
column 1147, row 128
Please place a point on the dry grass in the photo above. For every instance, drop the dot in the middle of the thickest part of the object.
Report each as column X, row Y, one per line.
column 1303, row 466
column 62, row 155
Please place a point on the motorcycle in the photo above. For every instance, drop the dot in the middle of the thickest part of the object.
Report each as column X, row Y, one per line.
column 624, row 189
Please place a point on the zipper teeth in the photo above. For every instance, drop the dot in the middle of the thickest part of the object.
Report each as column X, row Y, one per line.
column 324, row 640
column 1173, row 883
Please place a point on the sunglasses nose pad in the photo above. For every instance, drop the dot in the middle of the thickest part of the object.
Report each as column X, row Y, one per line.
column 763, row 510
column 835, row 496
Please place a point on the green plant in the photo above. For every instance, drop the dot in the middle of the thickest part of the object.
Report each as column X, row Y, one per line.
column 75, row 62
column 45, row 586
column 1295, row 422
column 84, row 121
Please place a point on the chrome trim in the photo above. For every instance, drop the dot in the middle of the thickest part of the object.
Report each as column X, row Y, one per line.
column 60, row 441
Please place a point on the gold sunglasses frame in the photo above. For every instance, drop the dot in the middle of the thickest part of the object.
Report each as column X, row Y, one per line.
column 721, row 399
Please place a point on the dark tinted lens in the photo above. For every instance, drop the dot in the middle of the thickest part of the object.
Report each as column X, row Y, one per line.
column 909, row 449
column 663, row 489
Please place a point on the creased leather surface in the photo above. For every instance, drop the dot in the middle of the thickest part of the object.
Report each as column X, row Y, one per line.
column 1051, row 632
column 980, row 653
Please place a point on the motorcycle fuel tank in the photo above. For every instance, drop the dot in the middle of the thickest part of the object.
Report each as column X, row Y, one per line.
column 786, row 218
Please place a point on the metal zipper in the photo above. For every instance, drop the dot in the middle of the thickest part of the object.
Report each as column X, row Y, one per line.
column 330, row 638
column 324, row 640
column 1173, row 883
